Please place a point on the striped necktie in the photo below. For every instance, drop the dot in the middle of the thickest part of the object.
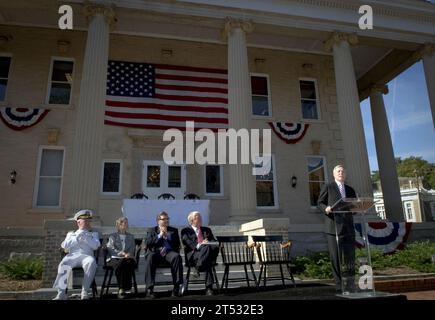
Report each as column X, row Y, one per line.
column 341, row 188
column 199, row 236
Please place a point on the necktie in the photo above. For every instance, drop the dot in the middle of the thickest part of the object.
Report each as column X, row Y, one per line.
column 200, row 237
column 341, row 187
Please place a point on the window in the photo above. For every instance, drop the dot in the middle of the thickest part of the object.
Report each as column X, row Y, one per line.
column 112, row 173
column 159, row 177
column 174, row 177
column 260, row 95
column 213, row 180
column 5, row 63
column 60, row 81
column 49, row 177
column 380, row 209
column 316, row 177
column 409, row 211
column 309, row 99
column 266, row 188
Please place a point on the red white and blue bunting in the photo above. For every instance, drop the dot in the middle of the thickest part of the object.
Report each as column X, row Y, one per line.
column 21, row 118
column 385, row 236
column 290, row 133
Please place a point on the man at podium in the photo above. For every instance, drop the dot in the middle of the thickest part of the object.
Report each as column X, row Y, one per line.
column 340, row 241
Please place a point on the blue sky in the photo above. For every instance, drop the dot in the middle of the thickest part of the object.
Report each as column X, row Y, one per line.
column 409, row 118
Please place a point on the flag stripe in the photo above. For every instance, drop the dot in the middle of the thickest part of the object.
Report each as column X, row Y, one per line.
column 169, row 102
column 192, row 83
column 140, row 105
column 192, row 94
column 190, row 78
column 189, row 98
column 169, row 124
column 185, row 68
column 165, row 117
column 167, row 112
column 191, row 88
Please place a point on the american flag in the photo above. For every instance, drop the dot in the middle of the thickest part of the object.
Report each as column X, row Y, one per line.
column 157, row 96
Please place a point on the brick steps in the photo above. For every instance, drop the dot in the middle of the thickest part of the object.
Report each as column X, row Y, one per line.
column 405, row 285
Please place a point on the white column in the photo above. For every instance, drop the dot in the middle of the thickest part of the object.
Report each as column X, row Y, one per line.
column 385, row 155
column 428, row 56
column 86, row 166
column 352, row 130
column 242, row 182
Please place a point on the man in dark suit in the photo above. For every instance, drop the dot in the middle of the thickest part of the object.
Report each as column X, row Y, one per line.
column 163, row 243
column 197, row 248
column 345, row 233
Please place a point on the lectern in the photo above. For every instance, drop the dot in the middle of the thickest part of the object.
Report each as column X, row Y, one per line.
column 356, row 272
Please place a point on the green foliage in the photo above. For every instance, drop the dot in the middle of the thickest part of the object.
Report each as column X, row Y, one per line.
column 411, row 166
column 316, row 265
column 416, row 256
column 375, row 176
column 23, row 269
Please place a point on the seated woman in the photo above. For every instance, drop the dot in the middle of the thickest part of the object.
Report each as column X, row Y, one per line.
column 121, row 244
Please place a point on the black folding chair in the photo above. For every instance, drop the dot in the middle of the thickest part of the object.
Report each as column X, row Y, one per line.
column 166, row 196
column 235, row 251
column 189, row 265
column 139, row 196
column 271, row 250
column 108, row 270
column 191, row 196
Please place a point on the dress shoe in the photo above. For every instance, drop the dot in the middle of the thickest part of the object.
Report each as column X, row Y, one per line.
column 121, row 294
column 178, row 291
column 150, row 294
column 209, row 292
column 195, row 274
column 61, row 295
column 84, row 295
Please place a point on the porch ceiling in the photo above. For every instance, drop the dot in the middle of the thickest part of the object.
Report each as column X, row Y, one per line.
column 376, row 60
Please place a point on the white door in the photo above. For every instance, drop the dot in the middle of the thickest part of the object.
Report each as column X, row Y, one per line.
column 158, row 178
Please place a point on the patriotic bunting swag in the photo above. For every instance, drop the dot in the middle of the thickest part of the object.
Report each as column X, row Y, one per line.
column 22, row 118
column 385, row 236
column 290, row 133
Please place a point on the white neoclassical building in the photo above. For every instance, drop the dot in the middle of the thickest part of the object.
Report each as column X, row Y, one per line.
column 67, row 145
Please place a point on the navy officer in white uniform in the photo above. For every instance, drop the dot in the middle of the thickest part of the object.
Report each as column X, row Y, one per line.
column 80, row 246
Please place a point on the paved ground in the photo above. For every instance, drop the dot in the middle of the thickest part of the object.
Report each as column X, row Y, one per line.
column 275, row 292
column 420, row 295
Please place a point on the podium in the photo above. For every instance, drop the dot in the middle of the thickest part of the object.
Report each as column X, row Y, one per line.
column 357, row 280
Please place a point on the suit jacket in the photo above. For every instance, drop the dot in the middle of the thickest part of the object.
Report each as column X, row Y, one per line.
column 190, row 240
column 329, row 195
column 114, row 245
column 154, row 244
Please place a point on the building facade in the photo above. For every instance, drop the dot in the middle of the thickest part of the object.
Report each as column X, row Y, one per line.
column 418, row 203
column 299, row 61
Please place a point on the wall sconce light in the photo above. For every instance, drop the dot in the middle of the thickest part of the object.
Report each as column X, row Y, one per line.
column 63, row 46
column 13, row 177
column 307, row 66
column 294, row 181
column 167, row 53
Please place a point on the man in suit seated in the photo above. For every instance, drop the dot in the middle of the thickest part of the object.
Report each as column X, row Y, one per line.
column 80, row 246
column 195, row 239
column 163, row 243
column 329, row 195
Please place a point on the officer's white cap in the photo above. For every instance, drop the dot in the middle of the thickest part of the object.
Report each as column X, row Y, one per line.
column 83, row 214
